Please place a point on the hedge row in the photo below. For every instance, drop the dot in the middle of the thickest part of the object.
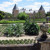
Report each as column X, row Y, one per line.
column 9, row 22
column 25, row 41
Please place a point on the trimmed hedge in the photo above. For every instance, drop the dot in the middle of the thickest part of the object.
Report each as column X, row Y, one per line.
column 25, row 41
column 9, row 22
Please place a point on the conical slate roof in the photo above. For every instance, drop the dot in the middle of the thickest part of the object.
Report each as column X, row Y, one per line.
column 15, row 7
column 41, row 8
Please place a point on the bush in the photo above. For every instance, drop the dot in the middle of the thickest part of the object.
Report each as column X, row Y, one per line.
column 49, row 30
column 25, row 41
column 1, row 16
column 22, row 16
column 9, row 22
column 14, row 30
column 31, row 28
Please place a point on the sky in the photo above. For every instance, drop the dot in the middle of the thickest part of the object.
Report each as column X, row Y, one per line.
column 7, row 5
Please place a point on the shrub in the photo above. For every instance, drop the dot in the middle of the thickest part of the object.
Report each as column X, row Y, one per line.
column 49, row 30
column 22, row 41
column 31, row 28
column 1, row 16
column 14, row 30
column 22, row 16
column 7, row 22
column 25, row 41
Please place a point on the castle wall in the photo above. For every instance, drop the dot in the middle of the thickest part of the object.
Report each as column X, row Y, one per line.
column 15, row 13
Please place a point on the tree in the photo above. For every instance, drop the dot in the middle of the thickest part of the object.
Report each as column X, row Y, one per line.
column 48, row 14
column 5, row 15
column 1, row 16
column 22, row 16
column 8, row 15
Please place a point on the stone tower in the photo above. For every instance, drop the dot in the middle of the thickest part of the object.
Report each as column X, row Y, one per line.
column 15, row 11
column 41, row 12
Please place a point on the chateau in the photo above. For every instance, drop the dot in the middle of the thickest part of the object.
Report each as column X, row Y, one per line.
column 40, row 13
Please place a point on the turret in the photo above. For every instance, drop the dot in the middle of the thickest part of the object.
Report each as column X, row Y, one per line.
column 41, row 8
column 15, row 11
column 41, row 12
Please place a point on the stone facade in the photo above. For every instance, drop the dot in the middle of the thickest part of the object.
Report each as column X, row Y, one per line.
column 45, row 45
column 15, row 13
column 41, row 12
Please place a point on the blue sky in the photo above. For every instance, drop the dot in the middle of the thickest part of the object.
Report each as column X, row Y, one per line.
column 7, row 5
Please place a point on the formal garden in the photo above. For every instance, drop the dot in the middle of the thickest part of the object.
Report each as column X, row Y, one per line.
column 19, row 27
column 6, row 18
column 21, row 24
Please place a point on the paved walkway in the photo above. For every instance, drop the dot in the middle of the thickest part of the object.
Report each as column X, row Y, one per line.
column 18, row 38
column 37, row 23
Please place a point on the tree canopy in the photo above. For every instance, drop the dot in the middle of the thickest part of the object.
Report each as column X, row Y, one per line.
column 22, row 16
column 4, row 15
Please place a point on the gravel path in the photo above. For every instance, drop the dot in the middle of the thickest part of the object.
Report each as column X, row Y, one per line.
column 37, row 23
column 18, row 38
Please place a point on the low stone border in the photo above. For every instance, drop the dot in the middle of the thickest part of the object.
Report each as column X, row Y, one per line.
column 21, row 47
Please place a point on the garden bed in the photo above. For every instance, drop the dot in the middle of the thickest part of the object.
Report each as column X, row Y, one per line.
column 25, row 41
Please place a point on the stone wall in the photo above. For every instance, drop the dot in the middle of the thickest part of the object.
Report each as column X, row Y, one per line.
column 45, row 46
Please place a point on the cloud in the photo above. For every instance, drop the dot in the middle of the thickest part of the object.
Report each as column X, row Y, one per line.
column 30, row 0
column 7, row 6
column 15, row 1
column 46, row 5
column 36, row 6
column 43, row 3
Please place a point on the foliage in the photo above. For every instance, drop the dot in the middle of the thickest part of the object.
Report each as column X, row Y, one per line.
column 48, row 14
column 22, row 16
column 40, row 20
column 49, row 30
column 5, row 15
column 1, row 16
column 2, row 28
column 14, row 30
column 8, row 15
column 25, row 41
column 7, row 22
column 31, row 28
